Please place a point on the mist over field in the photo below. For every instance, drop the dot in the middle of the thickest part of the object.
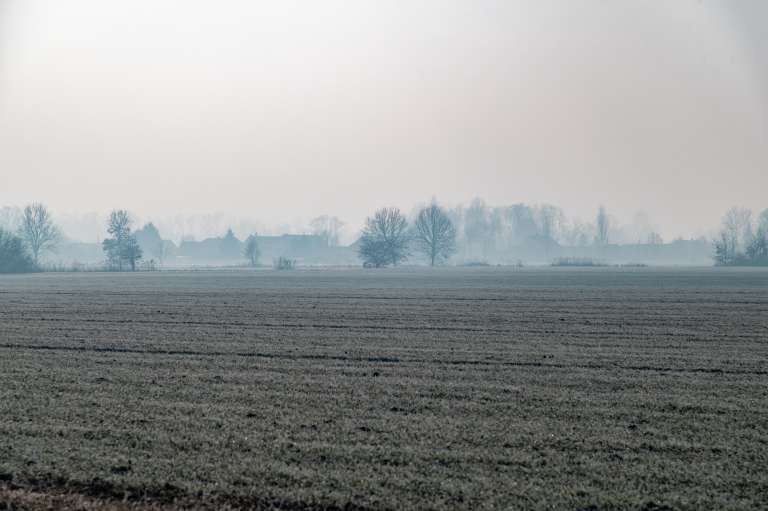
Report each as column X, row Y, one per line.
column 374, row 255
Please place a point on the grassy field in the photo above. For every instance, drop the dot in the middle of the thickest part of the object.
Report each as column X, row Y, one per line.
column 395, row 389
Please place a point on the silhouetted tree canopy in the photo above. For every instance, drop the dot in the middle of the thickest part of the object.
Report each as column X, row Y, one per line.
column 385, row 239
column 434, row 234
column 122, row 248
column 150, row 241
column 38, row 231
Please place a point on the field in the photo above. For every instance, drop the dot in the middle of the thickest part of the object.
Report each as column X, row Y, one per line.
column 455, row 388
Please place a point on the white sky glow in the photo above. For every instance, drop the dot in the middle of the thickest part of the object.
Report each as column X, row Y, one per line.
column 285, row 110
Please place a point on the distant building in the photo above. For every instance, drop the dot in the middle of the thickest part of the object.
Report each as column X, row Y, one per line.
column 304, row 248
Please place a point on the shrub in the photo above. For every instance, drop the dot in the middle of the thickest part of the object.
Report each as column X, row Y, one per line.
column 577, row 261
column 283, row 263
column 148, row 265
column 13, row 257
column 475, row 264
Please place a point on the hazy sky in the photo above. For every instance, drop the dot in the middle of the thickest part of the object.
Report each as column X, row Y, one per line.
column 287, row 109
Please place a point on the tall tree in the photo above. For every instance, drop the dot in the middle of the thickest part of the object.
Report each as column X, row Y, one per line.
column 737, row 225
column 132, row 252
column 602, row 225
column 477, row 226
column 329, row 228
column 550, row 220
column 757, row 250
column 735, row 235
column 122, row 247
column 762, row 220
column 736, row 242
column 435, row 234
column 724, row 251
column 251, row 251
column 385, row 238
column 151, row 242
column 522, row 222
column 38, row 231
column 579, row 234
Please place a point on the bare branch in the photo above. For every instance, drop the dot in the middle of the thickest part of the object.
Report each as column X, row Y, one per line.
column 38, row 230
column 435, row 234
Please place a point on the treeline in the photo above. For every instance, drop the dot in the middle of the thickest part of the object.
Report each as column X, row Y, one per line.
column 479, row 231
column 743, row 239
column 430, row 234
column 484, row 231
column 36, row 234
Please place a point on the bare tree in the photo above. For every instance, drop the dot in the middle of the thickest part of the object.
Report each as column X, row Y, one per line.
column 737, row 243
column 38, row 230
column 435, row 234
column 252, row 252
column 602, row 225
column 757, row 250
column 762, row 221
column 578, row 234
column 122, row 247
column 724, row 250
column 522, row 222
column 329, row 228
column 477, row 227
column 737, row 228
column 385, row 238
column 550, row 220
column 500, row 231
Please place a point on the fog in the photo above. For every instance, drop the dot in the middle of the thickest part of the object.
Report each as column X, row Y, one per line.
column 271, row 113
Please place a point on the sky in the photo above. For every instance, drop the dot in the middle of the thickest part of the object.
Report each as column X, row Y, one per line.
column 284, row 110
